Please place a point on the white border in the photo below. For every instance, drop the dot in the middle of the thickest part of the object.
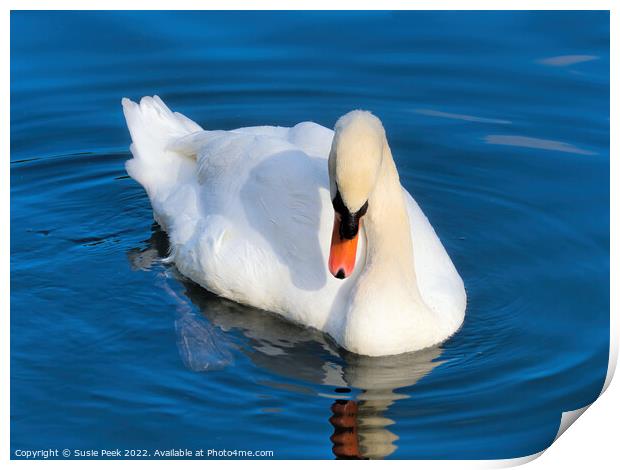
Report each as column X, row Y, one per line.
column 593, row 442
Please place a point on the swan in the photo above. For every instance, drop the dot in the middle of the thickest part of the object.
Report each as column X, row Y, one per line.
column 306, row 222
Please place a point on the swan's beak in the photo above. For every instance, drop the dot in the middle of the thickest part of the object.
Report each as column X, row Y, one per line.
column 342, row 252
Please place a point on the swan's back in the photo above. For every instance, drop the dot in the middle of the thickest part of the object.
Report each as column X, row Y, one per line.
column 244, row 209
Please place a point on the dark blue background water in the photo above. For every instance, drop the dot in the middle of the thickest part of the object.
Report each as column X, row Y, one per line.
column 499, row 123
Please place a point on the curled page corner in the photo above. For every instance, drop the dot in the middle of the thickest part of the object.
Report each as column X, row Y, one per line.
column 568, row 418
column 507, row 463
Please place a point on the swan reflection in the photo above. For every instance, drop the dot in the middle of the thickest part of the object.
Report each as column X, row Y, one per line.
column 360, row 420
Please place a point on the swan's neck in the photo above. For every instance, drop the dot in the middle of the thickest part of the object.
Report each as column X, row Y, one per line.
column 389, row 249
column 386, row 313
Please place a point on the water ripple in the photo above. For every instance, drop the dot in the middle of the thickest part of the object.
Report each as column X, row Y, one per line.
column 534, row 143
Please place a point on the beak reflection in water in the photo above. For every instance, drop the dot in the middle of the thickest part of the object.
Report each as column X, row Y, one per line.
column 345, row 437
column 362, row 388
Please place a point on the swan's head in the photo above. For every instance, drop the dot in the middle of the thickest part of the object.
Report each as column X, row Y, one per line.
column 354, row 163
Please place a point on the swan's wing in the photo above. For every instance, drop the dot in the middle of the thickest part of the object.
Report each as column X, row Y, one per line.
column 440, row 284
column 262, row 223
column 283, row 201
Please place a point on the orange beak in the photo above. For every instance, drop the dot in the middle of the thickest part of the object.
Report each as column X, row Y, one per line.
column 342, row 252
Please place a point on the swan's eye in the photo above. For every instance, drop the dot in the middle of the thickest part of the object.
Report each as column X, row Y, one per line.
column 339, row 204
column 362, row 212
column 343, row 210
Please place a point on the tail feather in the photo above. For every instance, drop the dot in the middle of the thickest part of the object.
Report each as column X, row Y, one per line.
column 153, row 126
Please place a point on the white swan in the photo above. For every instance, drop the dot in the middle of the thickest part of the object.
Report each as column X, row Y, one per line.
column 251, row 212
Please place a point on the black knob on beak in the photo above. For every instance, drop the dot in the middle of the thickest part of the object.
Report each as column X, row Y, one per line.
column 349, row 222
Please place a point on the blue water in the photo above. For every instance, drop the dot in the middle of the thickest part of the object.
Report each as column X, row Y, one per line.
column 499, row 124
